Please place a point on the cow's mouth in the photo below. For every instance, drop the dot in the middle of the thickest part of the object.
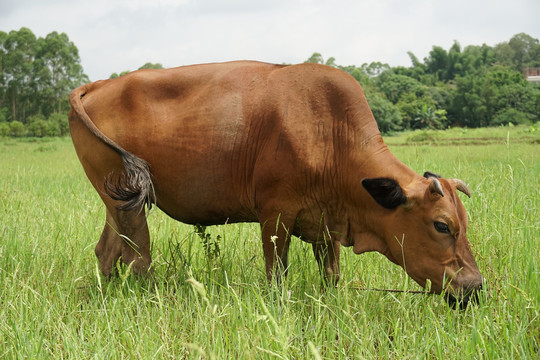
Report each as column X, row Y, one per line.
column 470, row 295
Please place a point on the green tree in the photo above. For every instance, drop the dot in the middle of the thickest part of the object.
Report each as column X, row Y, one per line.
column 520, row 52
column 481, row 96
column 315, row 58
column 116, row 75
column 59, row 63
column 475, row 59
column 395, row 86
column 504, row 54
column 386, row 114
column 441, row 95
column 414, row 60
column 471, row 105
column 360, row 75
column 375, row 68
column 426, row 116
column 149, row 65
column 526, row 51
column 501, row 75
column 19, row 48
column 455, row 62
column 445, row 65
column 418, row 112
column 37, row 74
column 437, row 63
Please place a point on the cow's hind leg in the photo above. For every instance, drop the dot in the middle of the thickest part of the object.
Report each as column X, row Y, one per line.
column 109, row 248
column 123, row 181
column 125, row 236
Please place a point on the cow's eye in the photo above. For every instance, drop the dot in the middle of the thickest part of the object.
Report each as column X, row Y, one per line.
column 441, row 227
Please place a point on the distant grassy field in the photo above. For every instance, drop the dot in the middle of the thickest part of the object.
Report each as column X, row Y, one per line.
column 213, row 301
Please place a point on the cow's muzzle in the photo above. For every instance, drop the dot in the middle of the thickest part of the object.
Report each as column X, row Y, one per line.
column 471, row 295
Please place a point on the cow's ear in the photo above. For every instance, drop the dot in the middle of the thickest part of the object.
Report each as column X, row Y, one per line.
column 385, row 191
column 429, row 174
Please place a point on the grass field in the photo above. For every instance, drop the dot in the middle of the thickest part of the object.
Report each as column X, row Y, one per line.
column 210, row 302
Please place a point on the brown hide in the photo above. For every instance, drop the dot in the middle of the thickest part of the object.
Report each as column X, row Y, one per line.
column 285, row 146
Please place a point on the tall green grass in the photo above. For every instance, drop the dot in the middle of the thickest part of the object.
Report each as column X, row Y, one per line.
column 55, row 304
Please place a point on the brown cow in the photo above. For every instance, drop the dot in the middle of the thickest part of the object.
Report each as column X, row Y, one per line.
column 295, row 148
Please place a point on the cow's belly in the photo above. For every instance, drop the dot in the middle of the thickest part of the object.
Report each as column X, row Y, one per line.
column 186, row 209
column 202, row 193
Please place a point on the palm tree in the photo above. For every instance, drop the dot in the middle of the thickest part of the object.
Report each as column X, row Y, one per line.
column 426, row 116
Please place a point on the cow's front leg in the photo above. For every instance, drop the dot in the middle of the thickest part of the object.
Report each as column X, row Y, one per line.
column 327, row 255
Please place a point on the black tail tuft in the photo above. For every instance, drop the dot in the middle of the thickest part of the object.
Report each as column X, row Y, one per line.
column 134, row 186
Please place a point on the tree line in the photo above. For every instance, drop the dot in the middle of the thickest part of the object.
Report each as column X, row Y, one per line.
column 473, row 86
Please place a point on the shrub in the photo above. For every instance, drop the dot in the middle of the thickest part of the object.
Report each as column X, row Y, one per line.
column 62, row 121
column 16, row 129
column 38, row 128
column 35, row 118
column 54, row 126
column 423, row 136
column 510, row 116
column 4, row 129
column 53, row 129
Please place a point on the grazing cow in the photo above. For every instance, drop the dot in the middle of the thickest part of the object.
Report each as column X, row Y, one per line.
column 295, row 148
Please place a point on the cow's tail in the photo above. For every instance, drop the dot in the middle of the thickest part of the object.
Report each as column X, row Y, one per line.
column 134, row 187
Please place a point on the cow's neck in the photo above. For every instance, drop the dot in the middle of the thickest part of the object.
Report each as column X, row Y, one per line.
column 360, row 216
column 368, row 157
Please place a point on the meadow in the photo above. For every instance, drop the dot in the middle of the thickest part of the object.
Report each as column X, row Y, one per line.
column 210, row 299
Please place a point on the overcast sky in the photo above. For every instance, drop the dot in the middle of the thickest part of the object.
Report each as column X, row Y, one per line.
column 117, row 35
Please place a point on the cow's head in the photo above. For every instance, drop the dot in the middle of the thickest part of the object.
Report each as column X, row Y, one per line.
column 423, row 228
